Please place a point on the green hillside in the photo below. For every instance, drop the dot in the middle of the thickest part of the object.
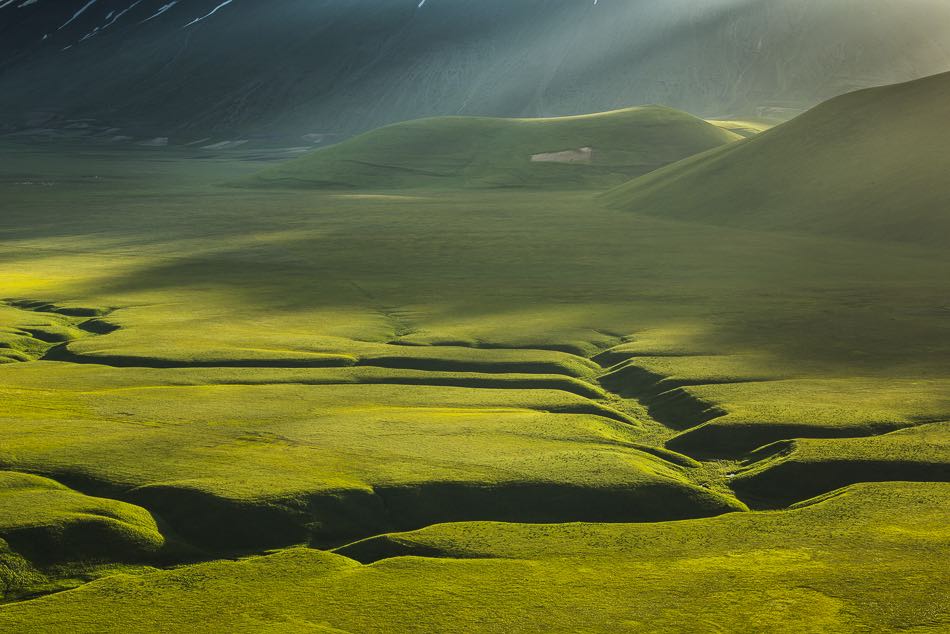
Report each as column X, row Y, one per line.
column 450, row 407
column 566, row 152
column 871, row 164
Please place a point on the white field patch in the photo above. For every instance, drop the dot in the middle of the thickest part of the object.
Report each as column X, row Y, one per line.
column 224, row 145
column 159, row 141
column 580, row 155
column 389, row 197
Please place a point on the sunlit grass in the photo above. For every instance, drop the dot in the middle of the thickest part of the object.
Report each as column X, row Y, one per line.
column 868, row 558
column 209, row 371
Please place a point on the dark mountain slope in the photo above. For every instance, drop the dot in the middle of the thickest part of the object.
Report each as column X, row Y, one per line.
column 190, row 69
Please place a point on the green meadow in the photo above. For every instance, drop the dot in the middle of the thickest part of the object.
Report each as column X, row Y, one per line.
column 421, row 382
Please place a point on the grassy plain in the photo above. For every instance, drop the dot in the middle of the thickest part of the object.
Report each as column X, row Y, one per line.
column 225, row 370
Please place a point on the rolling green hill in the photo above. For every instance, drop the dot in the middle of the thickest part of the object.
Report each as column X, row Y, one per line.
column 566, row 152
column 871, row 164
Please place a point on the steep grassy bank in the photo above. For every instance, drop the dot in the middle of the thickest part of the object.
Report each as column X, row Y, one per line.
column 871, row 164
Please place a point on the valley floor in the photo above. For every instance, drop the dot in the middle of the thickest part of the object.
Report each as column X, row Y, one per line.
column 263, row 410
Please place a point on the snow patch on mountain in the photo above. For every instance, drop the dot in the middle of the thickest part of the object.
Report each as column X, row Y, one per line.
column 77, row 14
column 120, row 14
column 209, row 14
column 162, row 9
column 25, row 3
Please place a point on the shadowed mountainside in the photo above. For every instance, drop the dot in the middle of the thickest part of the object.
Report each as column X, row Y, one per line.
column 328, row 69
